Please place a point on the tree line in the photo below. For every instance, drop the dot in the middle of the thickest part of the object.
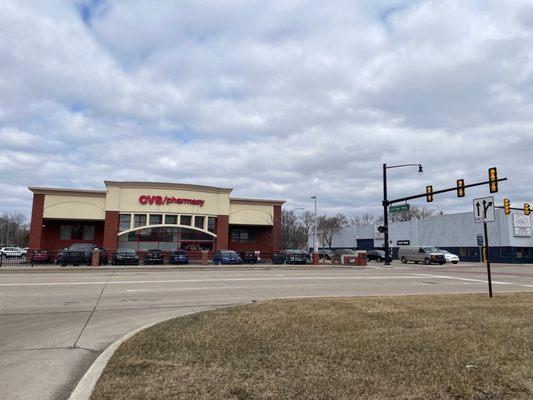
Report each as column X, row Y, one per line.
column 14, row 230
column 297, row 230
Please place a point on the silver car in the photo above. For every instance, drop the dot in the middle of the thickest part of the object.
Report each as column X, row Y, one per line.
column 417, row 254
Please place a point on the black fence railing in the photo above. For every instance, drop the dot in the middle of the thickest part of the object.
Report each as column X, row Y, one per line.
column 79, row 258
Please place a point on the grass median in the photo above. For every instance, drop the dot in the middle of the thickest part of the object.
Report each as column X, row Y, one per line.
column 411, row 347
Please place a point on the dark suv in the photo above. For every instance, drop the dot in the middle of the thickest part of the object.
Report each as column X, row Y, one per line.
column 290, row 257
column 249, row 257
column 376, row 255
column 154, row 257
column 80, row 253
column 179, row 257
column 125, row 256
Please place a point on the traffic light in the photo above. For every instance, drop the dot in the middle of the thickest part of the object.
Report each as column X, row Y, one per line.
column 493, row 180
column 429, row 194
column 460, row 188
column 507, row 206
column 526, row 209
column 382, row 229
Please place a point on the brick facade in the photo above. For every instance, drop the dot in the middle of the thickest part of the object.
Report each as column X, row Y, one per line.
column 36, row 228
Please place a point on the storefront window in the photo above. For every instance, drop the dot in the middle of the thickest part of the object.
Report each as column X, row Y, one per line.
column 171, row 219
column 243, row 235
column 199, row 222
column 185, row 220
column 166, row 239
column 212, row 224
column 76, row 232
column 124, row 222
column 156, row 219
column 139, row 220
column 88, row 232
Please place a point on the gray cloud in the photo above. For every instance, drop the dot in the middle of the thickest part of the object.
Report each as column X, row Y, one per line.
column 276, row 99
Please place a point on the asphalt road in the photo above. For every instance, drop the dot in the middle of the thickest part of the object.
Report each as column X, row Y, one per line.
column 53, row 325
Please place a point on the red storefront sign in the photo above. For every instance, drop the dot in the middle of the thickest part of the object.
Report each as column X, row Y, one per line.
column 164, row 200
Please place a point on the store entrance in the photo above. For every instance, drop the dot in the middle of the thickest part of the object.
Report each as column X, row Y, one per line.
column 166, row 239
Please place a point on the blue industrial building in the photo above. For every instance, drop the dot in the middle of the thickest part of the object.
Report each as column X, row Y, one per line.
column 510, row 238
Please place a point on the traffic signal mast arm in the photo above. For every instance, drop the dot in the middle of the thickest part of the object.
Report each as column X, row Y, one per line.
column 418, row 196
column 511, row 208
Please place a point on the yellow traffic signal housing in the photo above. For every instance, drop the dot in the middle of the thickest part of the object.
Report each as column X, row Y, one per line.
column 493, row 180
column 429, row 194
column 507, row 206
column 526, row 209
column 460, row 188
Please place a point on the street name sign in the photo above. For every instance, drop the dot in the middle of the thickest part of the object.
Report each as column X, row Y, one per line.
column 399, row 208
column 484, row 210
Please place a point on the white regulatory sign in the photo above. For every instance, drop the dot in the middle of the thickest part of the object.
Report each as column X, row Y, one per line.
column 484, row 209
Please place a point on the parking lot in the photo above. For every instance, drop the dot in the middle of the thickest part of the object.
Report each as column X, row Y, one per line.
column 53, row 324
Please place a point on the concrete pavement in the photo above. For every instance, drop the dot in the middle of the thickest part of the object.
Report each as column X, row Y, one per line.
column 53, row 325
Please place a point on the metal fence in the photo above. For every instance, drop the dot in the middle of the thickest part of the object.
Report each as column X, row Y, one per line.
column 50, row 258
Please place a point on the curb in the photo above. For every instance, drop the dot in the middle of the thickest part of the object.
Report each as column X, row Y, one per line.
column 85, row 387
column 191, row 268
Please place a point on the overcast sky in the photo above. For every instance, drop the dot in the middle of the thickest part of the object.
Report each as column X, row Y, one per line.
column 276, row 99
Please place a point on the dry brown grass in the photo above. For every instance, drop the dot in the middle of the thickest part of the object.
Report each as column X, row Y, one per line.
column 415, row 347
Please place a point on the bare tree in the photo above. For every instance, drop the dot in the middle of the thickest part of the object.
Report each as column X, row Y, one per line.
column 13, row 229
column 293, row 232
column 415, row 212
column 308, row 222
column 364, row 219
column 329, row 226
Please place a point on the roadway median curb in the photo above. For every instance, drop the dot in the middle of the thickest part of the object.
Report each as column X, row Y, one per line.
column 143, row 268
column 85, row 387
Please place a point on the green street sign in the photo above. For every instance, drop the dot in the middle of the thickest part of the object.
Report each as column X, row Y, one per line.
column 399, row 208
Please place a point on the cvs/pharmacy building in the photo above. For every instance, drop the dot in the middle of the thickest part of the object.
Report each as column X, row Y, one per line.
column 151, row 215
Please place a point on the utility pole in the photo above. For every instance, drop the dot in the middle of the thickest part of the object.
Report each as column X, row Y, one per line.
column 315, row 237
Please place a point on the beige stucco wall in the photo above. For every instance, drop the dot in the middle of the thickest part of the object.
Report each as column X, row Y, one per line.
column 127, row 200
column 251, row 214
column 74, row 207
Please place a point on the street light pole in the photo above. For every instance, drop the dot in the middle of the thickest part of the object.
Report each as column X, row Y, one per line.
column 386, row 206
column 315, row 237
column 385, row 216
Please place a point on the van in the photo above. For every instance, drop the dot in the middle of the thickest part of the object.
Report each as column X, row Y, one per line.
column 426, row 254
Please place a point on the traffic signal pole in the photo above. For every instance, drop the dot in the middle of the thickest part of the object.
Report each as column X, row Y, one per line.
column 385, row 216
column 487, row 257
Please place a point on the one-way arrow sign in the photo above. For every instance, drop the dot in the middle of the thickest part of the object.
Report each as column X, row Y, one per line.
column 484, row 209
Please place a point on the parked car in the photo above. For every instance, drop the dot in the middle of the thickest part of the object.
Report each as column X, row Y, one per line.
column 375, row 255
column 154, row 257
column 24, row 251
column 179, row 257
column 11, row 252
column 80, row 253
column 125, row 256
column 290, row 257
column 450, row 257
column 226, row 257
column 325, row 254
column 40, row 256
column 249, row 257
column 337, row 255
column 426, row 254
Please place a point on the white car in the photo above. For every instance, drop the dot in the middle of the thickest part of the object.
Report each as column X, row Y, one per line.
column 24, row 251
column 454, row 259
column 11, row 252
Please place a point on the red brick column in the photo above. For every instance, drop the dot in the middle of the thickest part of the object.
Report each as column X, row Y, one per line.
column 222, row 242
column 111, row 230
column 36, row 227
column 276, row 229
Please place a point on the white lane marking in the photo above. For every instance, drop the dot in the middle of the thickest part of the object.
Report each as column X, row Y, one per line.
column 211, row 280
column 474, row 280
